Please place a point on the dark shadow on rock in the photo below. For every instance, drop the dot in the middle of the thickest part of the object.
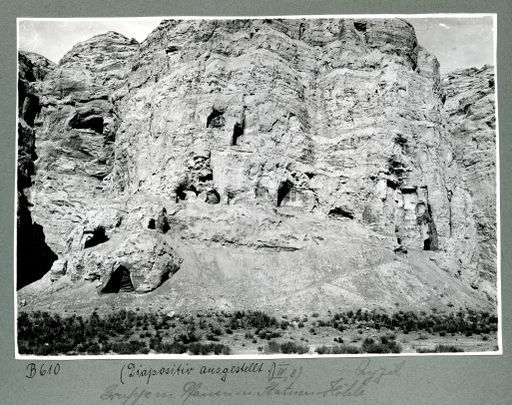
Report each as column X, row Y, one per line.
column 34, row 256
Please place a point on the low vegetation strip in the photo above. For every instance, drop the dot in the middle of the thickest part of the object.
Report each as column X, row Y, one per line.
column 134, row 332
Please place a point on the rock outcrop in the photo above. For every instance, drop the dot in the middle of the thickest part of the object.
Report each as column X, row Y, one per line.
column 78, row 123
column 277, row 163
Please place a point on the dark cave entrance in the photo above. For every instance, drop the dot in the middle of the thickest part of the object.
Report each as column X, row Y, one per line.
column 162, row 224
column 340, row 212
column 426, row 221
column 92, row 122
column 282, row 191
column 120, row 281
column 215, row 119
column 181, row 191
column 98, row 236
column 212, row 197
column 360, row 26
column 238, row 131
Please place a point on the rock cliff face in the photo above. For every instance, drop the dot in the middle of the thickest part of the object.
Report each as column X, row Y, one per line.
column 299, row 164
column 34, row 257
column 77, row 132
column 470, row 105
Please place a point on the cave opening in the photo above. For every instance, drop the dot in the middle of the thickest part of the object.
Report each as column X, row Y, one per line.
column 98, row 236
column 426, row 221
column 391, row 184
column 172, row 49
column 212, row 197
column 340, row 212
column 181, row 192
column 360, row 26
column 283, row 190
column 151, row 224
column 91, row 122
column 119, row 281
column 215, row 119
column 162, row 224
column 396, row 167
column 238, row 131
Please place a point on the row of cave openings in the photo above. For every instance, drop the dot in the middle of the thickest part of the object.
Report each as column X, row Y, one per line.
column 216, row 120
column 212, row 196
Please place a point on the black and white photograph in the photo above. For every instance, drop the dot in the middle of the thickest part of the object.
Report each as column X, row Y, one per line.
column 257, row 187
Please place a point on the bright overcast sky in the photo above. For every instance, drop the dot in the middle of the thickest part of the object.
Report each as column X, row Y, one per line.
column 456, row 42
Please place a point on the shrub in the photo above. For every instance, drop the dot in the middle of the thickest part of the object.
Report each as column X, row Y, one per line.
column 94, row 348
column 174, row 347
column 341, row 349
column 286, row 348
column 441, row 349
column 273, row 347
column 292, row 347
column 385, row 346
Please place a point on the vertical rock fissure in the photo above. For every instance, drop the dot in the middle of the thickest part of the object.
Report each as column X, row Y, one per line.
column 449, row 195
column 282, row 191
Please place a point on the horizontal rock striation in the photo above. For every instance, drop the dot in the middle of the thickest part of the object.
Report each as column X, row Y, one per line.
column 281, row 163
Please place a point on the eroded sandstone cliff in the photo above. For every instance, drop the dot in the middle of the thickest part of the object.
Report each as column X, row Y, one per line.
column 298, row 164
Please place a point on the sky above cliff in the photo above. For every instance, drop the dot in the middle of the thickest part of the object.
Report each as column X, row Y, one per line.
column 456, row 42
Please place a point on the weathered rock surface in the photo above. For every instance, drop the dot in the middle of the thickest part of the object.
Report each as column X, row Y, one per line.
column 470, row 105
column 144, row 256
column 288, row 163
column 76, row 132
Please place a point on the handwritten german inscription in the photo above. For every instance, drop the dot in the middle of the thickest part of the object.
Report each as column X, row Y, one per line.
column 138, row 384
